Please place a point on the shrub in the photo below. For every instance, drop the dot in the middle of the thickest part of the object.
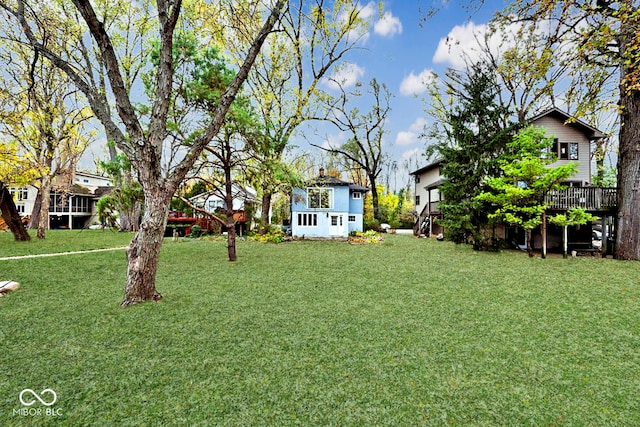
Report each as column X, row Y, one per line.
column 372, row 224
column 271, row 237
column 368, row 237
column 196, row 231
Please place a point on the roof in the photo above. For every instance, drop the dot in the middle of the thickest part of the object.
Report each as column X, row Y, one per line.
column 569, row 120
column 323, row 180
column 356, row 187
column 326, row 180
column 102, row 191
column 434, row 184
column 430, row 166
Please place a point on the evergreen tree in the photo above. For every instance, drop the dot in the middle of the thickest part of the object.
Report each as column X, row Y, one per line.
column 473, row 135
column 518, row 195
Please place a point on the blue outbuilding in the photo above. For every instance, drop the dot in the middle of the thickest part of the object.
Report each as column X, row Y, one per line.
column 327, row 207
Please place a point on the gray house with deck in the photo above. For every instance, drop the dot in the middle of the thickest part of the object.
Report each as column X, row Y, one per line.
column 573, row 141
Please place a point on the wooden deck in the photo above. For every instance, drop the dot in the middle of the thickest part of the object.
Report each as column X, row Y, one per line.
column 588, row 198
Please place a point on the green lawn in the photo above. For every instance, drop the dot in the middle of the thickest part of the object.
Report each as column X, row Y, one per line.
column 409, row 332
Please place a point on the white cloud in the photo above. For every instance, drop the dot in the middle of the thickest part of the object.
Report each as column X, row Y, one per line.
column 412, row 154
column 388, row 25
column 367, row 11
column 359, row 35
column 463, row 42
column 412, row 135
column 415, row 84
column 418, row 125
column 406, row 138
column 334, row 141
column 345, row 76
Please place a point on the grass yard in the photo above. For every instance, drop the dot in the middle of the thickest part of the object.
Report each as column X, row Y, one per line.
column 408, row 332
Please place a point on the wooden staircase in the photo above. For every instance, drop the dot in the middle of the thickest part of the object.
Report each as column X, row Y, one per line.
column 421, row 226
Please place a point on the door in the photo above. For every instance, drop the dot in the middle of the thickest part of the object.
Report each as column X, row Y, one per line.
column 336, row 225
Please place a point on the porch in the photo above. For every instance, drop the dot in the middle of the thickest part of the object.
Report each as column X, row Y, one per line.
column 593, row 199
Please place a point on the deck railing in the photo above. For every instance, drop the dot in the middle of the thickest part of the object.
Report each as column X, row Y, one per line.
column 588, row 198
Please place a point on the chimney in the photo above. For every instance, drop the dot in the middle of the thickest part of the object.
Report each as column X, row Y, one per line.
column 321, row 172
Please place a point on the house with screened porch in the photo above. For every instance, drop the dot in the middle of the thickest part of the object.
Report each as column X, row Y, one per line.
column 327, row 207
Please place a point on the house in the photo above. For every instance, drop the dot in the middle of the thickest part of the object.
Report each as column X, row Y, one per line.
column 244, row 201
column 572, row 143
column 427, row 196
column 71, row 209
column 327, row 207
column 212, row 201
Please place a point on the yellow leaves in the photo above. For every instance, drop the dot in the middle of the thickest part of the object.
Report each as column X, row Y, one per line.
column 14, row 168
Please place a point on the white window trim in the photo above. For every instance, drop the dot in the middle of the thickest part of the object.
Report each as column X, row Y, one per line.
column 311, row 219
column 329, row 190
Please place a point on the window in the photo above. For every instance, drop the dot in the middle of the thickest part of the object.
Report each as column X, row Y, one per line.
column 565, row 150
column 563, row 154
column 417, row 179
column 20, row 209
column 215, row 204
column 307, row 220
column 417, row 200
column 357, row 195
column 19, row 193
column 320, row 198
column 573, row 151
column 352, row 218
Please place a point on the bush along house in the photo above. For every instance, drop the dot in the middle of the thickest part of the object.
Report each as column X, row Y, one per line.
column 573, row 140
column 327, row 208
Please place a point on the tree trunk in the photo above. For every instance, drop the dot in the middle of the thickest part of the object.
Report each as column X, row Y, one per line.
column 228, row 200
column 144, row 250
column 130, row 214
column 374, row 199
column 528, row 236
column 264, row 215
column 628, row 231
column 35, row 213
column 543, row 229
column 130, row 218
column 11, row 216
column 231, row 240
column 43, row 217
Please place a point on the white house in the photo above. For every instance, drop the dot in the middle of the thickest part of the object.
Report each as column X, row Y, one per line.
column 72, row 209
column 213, row 200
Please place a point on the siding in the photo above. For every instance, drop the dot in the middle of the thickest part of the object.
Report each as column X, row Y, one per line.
column 426, row 179
column 342, row 204
column 567, row 133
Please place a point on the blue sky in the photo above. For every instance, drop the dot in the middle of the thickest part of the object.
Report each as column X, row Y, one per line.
column 401, row 51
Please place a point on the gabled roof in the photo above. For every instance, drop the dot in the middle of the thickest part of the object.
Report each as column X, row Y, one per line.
column 569, row 120
column 426, row 168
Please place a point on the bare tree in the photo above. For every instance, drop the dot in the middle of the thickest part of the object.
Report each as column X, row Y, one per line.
column 365, row 129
